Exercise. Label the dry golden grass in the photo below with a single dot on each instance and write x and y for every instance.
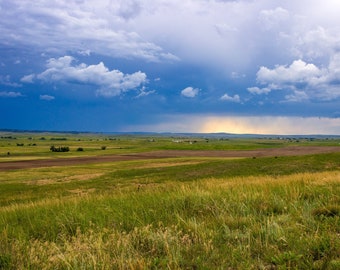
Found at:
(62, 180)
(242, 223)
(318, 178)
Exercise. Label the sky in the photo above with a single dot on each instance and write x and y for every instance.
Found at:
(235, 66)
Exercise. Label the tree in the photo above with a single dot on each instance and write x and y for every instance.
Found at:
(59, 149)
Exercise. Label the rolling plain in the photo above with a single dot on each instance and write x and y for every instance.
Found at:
(168, 202)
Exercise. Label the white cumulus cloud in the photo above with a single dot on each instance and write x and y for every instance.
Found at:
(297, 72)
(190, 92)
(305, 80)
(109, 82)
(235, 98)
(258, 91)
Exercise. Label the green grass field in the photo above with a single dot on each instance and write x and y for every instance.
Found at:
(172, 213)
(37, 145)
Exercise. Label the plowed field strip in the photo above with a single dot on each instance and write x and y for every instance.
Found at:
(286, 151)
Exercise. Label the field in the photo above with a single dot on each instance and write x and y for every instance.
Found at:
(175, 202)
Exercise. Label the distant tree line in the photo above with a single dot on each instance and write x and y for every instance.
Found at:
(53, 139)
(67, 149)
(8, 137)
(59, 149)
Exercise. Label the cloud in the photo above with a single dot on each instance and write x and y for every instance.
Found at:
(316, 43)
(229, 30)
(305, 80)
(190, 92)
(144, 93)
(258, 91)
(10, 94)
(297, 72)
(297, 96)
(235, 98)
(46, 97)
(129, 9)
(85, 52)
(28, 78)
(110, 82)
(64, 26)
(224, 29)
(272, 18)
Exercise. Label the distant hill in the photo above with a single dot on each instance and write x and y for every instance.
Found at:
(189, 134)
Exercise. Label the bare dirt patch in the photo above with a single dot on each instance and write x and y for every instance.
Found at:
(268, 152)
(166, 164)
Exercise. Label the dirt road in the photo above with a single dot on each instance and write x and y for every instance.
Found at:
(270, 152)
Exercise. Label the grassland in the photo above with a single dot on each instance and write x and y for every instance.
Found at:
(171, 213)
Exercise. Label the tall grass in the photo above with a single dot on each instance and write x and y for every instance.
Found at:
(35, 184)
(181, 213)
(245, 222)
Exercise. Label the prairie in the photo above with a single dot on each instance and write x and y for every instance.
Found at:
(277, 212)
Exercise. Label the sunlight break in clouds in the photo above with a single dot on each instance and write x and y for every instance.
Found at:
(245, 125)
(271, 125)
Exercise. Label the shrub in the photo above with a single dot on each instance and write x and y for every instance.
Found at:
(103, 147)
(80, 149)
